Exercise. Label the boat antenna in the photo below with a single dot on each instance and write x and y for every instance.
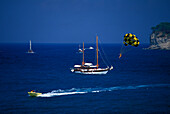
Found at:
(83, 54)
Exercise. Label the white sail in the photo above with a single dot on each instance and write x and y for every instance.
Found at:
(30, 45)
(30, 50)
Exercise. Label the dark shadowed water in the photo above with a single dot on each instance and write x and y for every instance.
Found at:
(139, 83)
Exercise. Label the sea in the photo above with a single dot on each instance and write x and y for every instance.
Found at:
(139, 82)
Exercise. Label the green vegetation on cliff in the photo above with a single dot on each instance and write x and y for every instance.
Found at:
(160, 37)
(162, 27)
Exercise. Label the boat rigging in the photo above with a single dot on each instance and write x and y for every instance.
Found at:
(89, 68)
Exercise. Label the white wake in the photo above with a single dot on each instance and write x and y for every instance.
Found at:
(94, 90)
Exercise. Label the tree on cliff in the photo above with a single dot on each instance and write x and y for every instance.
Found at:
(160, 37)
(162, 27)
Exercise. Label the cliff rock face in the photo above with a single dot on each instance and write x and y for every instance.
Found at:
(160, 37)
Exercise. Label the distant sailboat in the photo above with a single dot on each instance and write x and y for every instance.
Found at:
(80, 50)
(30, 50)
(91, 48)
(89, 68)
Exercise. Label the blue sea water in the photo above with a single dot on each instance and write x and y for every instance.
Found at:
(139, 82)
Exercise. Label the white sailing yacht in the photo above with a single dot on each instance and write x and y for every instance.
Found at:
(30, 50)
(89, 68)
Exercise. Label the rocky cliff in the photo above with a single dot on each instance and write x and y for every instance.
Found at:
(160, 37)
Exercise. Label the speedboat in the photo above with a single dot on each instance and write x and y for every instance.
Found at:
(34, 94)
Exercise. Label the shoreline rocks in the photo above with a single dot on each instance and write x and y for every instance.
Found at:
(160, 37)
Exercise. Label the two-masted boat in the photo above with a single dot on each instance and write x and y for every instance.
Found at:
(30, 50)
(89, 68)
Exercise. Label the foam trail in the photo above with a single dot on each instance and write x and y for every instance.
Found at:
(73, 91)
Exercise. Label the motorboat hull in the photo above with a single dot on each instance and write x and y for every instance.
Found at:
(34, 94)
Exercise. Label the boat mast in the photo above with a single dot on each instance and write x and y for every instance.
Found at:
(30, 44)
(83, 54)
(97, 50)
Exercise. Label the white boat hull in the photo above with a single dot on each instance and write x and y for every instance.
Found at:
(78, 72)
(102, 72)
(89, 72)
(30, 52)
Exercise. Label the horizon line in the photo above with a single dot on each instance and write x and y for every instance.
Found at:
(54, 43)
